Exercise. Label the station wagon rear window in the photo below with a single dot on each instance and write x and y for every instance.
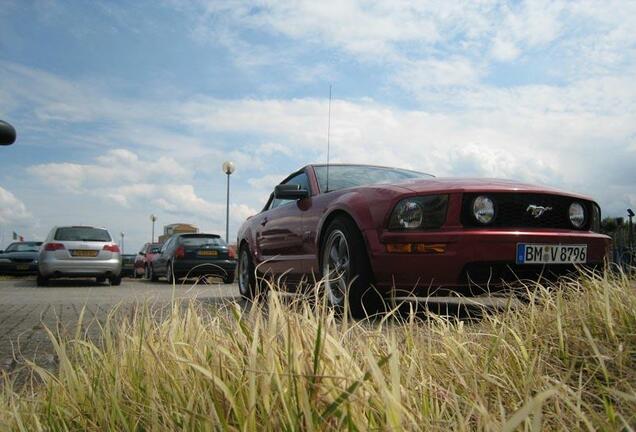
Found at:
(82, 234)
(202, 241)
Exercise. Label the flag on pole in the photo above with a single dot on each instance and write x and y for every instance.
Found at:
(15, 235)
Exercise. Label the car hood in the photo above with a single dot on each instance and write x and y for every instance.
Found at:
(19, 255)
(479, 185)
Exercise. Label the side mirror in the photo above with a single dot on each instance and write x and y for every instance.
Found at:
(7, 133)
(142, 253)
(290, 192)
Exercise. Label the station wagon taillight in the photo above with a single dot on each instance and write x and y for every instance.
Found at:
(53, 246)
(111, 248)
(179, 252)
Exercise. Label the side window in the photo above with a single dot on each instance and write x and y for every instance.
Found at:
(301, 180)
(166, 245)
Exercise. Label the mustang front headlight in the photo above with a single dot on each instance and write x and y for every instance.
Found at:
(424, 212)
(577, 215)
(484, 209)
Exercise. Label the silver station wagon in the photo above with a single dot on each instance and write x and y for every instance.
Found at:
(79, 251)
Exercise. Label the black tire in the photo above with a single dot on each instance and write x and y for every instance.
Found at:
(100, 279)
(249, 287)
(229, 278)
(42, 281)
(115, 280)
(146, 275)
(172, 279)
(354, 278)
(152, 275)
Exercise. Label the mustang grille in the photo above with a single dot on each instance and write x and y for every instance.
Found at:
(511, 211)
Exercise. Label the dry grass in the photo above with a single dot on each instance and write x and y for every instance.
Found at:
(566, 360)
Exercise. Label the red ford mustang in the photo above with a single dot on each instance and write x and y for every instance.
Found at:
(357, 226)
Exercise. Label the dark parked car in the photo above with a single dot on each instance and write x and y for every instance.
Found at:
(190, 255)
(144, 257)
(20, 258)
(128, 265)
(357, 225)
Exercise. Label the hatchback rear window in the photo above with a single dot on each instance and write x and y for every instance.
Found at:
(202, 241)
(82, 234)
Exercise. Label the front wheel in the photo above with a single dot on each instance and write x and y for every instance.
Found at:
(229, 278)
(152, 275)
(42, 280)
(172, 279)
(346, 271)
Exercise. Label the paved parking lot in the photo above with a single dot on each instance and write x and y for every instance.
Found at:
(26, 309)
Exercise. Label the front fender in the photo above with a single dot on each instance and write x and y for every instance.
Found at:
(355, 205)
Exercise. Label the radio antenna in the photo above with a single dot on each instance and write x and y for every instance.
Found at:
(328, 138)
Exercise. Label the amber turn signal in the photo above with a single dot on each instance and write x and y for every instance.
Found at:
(424, 248)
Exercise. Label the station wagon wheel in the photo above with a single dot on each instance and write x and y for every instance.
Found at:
(170, 274)
(346, 272)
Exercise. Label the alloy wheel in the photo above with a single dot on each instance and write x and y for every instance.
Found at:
(244, 273)
(336, 267)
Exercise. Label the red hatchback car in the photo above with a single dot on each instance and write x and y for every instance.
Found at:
(356, 226)
(144, 259)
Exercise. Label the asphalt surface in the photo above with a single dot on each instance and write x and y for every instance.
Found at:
(26, 310)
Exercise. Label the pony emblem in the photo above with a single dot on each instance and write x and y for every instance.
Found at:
(536, 211)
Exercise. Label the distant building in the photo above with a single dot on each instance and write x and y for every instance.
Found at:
(177, 228)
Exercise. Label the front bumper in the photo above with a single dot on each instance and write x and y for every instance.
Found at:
(18, 268)
(470, 256)
(193, 268)
(79, 268)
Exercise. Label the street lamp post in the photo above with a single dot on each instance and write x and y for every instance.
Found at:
(122, 234)
(153, 218)
(630, 235)
(228, 168)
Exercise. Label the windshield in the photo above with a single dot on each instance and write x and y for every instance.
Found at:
(346, 176)
(82, 234)
(24, 247)
(202, 241)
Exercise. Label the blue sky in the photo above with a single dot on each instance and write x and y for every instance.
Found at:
(124, 109)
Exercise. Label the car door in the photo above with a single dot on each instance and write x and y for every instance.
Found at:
(279, 233)
(160, 264)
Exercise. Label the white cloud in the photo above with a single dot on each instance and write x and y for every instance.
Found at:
(122, 178)
(12, 210)
(408, 37)
(265, 184)
(117, 166)
(422, 74)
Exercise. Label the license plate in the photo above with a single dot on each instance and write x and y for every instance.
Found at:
(551, 254)
(22, 267)
(208, 253)
(83, 253)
